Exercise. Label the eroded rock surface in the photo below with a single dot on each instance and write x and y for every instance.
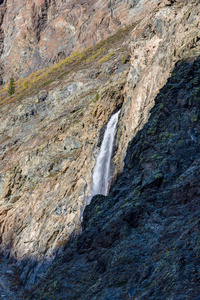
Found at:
(10, 287)
(142, 242)
(49, 139)
(48, 150)
(38, 33)
(166, 35)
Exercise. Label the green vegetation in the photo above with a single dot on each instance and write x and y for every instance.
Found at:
(11, 88)
(123, 59)
(90, 56)
(96, 98)
(105, 58)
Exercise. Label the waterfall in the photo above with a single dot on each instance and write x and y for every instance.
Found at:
(101, 173)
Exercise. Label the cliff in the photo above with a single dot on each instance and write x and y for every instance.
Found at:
(48, 149)
(142, 242)
(51, 130)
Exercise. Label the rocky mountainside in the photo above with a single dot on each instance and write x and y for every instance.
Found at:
(142, 242)
(38, 33)
(52, 127)
(48, 144)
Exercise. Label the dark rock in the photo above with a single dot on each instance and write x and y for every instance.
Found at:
(132, 216)
(94, 74)
(100, 266)
(42, 96)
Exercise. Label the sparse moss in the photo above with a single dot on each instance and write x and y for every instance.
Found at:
(194, 118)
(105, 58)
(123, 59)
(96, 98)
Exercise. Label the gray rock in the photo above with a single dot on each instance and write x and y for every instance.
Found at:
(41, 96)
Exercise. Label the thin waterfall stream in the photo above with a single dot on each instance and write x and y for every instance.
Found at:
(101, 173)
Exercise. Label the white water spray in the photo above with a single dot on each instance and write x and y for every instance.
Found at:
(101, 173)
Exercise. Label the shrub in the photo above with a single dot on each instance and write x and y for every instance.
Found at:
(25, 84)
(11, 88)
(105, 58)
(96, 98)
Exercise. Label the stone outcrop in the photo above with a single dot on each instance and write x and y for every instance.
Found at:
(166, 35)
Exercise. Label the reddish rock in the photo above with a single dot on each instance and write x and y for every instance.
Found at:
(35, 34)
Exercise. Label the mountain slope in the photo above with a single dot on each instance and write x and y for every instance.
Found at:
(142, 242)
(37, 34)
(49, 136)
(51, 127)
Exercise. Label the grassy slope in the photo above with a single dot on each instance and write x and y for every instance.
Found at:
(92, 57)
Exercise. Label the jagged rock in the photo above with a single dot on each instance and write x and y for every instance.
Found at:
(158, 42)
(41, 96)
(142, 241)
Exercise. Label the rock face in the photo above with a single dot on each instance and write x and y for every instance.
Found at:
(52, 127)
(35, 34)
(48, 150)
(142, 242)
(166, 35)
